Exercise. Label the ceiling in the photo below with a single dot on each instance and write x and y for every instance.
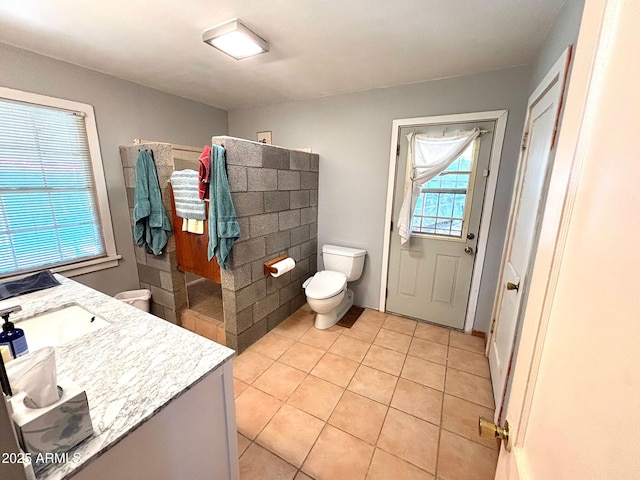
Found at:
(318, 48)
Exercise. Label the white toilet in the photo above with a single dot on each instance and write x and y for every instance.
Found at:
(326, 291)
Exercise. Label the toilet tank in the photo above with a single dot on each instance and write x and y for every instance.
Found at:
(349, 261)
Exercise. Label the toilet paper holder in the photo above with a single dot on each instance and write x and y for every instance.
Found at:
(268, 266)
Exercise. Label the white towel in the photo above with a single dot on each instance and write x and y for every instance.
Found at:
(193, 226)
(185, 195)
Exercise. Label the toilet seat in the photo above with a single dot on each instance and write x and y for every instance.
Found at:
(325, 284)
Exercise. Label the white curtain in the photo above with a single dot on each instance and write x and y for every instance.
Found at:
(428, 157)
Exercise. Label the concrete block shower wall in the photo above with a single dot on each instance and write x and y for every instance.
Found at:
(275, 194)
(159, 274)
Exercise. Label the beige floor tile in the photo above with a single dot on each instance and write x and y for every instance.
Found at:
(411, 439)
(385, 467)
(393, 340)
(462, 459)
(279, 380)
(257, 460)
(249, 366)
(362, 331)
(254, 409)
(302, 476)
(238, 387)
(427, 350)
(465, 341)
(206, 329)
(271, 345)
(372, 317)
(461, 417)
(418, 400)
(321, 339)
(432, 333)
(293, 327)
(221, 336)
(469, 387)
(359, 416)
(400, 324)
(316, 396)
(290, 434)
(469, 362)
(188, 319)
(302, 356)
(304, 314)
(424, 372)
(350, 348)
(335, 369)
(373, 384)
(328, 461)
(243, 444)
(339, 329)
(383, 359)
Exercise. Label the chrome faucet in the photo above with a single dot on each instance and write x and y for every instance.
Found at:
(5, 312)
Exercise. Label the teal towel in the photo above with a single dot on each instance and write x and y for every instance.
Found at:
(224, 229)
(151, 225)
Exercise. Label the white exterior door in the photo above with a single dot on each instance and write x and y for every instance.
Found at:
(573, 407)
(528, 200)
(430, 277)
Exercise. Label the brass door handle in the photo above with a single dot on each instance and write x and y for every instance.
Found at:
(513, 286)
(468, 250)
(488, 429)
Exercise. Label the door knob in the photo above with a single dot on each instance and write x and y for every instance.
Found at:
(513, 286)
(471, 236)
(488, 429)
(468, 250)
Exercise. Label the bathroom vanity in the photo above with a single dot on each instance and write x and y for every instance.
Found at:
(160, 397)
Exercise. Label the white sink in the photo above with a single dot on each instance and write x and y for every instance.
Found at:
(55, 328)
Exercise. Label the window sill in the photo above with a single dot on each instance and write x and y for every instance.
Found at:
(73, 269)
(88, 266)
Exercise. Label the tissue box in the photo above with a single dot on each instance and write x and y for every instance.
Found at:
(52, 429)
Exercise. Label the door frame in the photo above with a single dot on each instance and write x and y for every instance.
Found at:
(500, 117)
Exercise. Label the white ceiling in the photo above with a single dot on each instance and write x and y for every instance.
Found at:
(318, 47)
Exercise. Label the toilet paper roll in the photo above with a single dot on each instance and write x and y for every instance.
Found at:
(283, 266)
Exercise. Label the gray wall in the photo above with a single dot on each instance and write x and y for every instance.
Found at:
(564, 32)
(124, 111)
(352, 134)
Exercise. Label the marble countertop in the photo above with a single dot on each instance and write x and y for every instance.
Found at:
(130, 369)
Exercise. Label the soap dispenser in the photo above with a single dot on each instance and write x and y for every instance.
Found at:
(11, 336)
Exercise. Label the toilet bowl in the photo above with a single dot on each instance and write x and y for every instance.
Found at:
(326, 291)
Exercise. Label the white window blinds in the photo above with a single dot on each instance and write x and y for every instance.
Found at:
(48, 209)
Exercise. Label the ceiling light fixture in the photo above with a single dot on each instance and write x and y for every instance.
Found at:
(235, 39)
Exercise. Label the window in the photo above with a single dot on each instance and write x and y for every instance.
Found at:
(442, 203)
(53, 201)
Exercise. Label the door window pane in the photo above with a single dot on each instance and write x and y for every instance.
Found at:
(440, 208)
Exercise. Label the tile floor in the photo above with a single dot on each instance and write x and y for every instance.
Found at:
(205, 297)
(205, 315)
(390, 398)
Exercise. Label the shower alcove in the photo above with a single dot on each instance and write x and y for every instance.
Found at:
(275, 194)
